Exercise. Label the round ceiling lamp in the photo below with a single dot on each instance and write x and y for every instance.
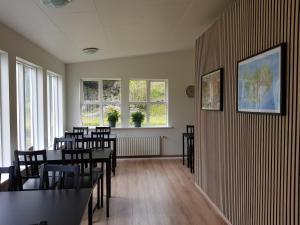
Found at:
(90, 51)
(55, 3)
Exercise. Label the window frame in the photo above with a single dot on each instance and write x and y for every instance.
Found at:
(100, 100)
(58, 114)
(1, 128)
(36, 134)
(148, 101)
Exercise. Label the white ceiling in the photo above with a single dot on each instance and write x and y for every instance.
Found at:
(118, 28)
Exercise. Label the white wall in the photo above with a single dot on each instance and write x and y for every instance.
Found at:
(177, 67)
(17, 46)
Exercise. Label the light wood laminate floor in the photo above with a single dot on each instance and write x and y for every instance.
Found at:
(155, 192)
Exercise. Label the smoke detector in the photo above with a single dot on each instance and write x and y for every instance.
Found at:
(56, 3)
(90, 51)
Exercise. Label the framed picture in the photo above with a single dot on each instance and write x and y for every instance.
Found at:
(260, 82)
(212, 91)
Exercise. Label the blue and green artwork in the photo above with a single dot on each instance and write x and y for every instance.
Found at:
(259, 83)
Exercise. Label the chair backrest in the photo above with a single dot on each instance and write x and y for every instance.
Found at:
(31, 160)
(64, 143)
(61, 177)
(78, 136)
(81, 157)
(103, 129)
(84, 130)
(190, 129)
(11, 178)
(105, 138)
(93, 143)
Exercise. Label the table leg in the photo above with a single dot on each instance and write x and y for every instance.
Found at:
(90, 210)
(108, 184)
(183, 149)
(114, 158)
(108, 177)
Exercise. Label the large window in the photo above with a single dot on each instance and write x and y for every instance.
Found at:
(5, 148)
(55, 121)
(97, 98)
(151, 98)
(27, 89)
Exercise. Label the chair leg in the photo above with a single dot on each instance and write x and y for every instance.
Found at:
(102, 191)
(90, 210)
(98, 193)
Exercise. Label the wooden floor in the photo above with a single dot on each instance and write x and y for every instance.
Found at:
(155, 192)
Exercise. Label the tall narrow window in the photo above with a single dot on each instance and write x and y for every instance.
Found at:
(5, 147)
(28, 134)
(97, 98)
(149, 97)
(1, 146)
(55, 121)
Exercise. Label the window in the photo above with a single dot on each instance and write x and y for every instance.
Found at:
(5, 145)
(27, 99)
(151, 98)
(97, 98)
(55, 121)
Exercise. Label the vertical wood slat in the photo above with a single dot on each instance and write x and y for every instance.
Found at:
(248, 164)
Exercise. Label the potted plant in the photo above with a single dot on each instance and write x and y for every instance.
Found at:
(137, 118)
(113, 116)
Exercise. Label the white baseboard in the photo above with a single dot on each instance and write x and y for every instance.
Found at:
(214, 207)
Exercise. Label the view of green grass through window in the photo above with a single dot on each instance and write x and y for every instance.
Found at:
(149, 97)
(98, 98)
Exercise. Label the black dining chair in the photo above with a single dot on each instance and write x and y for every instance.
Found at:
(29, 178)
(84, 130)
(190, 129)
(64, 143)
(79, 138)
(104, 136)
(103, 129)
(191, 153)
(11, 177)
(59, 177)
(89, 176)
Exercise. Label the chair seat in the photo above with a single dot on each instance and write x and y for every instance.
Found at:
(31, 184)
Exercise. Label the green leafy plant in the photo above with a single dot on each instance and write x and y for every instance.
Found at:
(113, 116)
(137, 117)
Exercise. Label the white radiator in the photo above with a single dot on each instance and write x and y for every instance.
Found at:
(138, 146)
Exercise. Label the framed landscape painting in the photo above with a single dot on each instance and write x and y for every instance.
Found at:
(212, 91)
(260, 82)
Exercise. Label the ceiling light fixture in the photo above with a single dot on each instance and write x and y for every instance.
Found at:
(55, 3)
(90, 51)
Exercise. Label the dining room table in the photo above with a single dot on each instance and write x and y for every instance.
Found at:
(113, 139)
(98, 156)
(51, 207)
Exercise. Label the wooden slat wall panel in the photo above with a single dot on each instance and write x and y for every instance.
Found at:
(248, 164)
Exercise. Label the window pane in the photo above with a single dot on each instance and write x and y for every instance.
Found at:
(111, 90)
(28, 108)
(137, 91)
(158, 114)
(90, 115)
(142, 107)
(106, 108)
(157, 91)
(53, 107)
(90, 90)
